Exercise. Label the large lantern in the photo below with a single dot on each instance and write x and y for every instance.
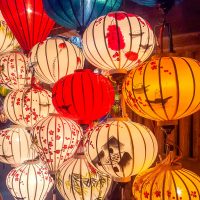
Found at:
(118, 41)
(29, 181)
(27, 106)
(56, 139)
(27, 20)
(16, 146)
(163, 89)
(121, 148)
(14, 72)
(77, 180)
(83, 96)
(77, 14)
(55, 58)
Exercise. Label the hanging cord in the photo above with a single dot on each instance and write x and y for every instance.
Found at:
(54, 186)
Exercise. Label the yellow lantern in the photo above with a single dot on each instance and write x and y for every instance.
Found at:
(164, 89)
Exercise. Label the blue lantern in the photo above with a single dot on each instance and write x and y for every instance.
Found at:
(77, 14)
(152, 3)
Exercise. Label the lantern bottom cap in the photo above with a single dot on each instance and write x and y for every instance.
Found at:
(166, 123)
(122, 179)
(118, 71)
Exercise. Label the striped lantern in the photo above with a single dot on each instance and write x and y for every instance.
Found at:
(27, 106)
(29, 181)
(14, 73)
(55, 58)
(56, 139)
(118, 41)
(121, 148)
(83, 96)
(78, 180)
(163, 89)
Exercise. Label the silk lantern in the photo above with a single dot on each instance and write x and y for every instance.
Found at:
(27, 106)
(77, 14)
(56, 139)
(77, 180)
(164, 89)
(29, 181)
(121, 148)
(16, 146)
(14, 72)
(83, 96)
(118, 41)
(27, 20)
(55, 58)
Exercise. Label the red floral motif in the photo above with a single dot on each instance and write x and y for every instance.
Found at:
(78, 60)
(51, 132)
(62, 45)
(58, 137)
(146, 195)
(158, 193)
(57, 151)
(121, 15)
(130, 55)
(193, 194)
(169, 193)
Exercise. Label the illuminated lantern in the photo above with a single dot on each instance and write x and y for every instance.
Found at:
(27, 20)
(78, 14)
(167, 181)
(55, 58)
(164, 89)
(83, 96)
(27, 106)
(14, 72)
(15, 143)
(121, 148)
(29, 181)
(118, 41)
(56, 139)
(4, 91)
(77, 180)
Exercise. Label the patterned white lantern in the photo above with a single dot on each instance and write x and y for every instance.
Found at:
(121, 148)
(29, 181)
(27, 106)
(55, 58)
(118, 41)
(77, 180)
(56, 139)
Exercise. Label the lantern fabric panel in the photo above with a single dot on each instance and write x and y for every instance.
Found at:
(163, 89)
(55, 58)
(29, 181)
(118, 40)
(77, 180)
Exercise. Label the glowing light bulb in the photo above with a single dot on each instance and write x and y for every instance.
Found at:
(29, 10)
(179, 192)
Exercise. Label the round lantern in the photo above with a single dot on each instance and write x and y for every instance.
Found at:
(15, 146)
(77, 180)
(121, 148)
(14, 73)
(27, 20)
(29, 181)
(118, 41)
(55, 58)
(77, 14)
(56, 139)
(163, 89)
(83, 96)
(4, 91)
(27, 106)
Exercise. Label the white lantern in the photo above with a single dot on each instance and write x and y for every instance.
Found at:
(121, 148)
(56, 139)
(29, 181)
(118, 41)
(15, 146)
(27, 106)
(77, 180)
(55, 58)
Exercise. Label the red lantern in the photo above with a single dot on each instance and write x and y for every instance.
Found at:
(83, 96)
(27, 20)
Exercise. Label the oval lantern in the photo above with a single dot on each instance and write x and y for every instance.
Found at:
(27, 20)
(78, 14)
(56, 139)
(29, 181)
(164, 89)
(118, 41)
(27, 106)
(16, 146)
(14, 72)
(83, 96)
(55, 58)
(77, 180)
(121, 148)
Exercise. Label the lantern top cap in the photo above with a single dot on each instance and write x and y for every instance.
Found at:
(82, 70)
(17, 126)
(119, 119)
